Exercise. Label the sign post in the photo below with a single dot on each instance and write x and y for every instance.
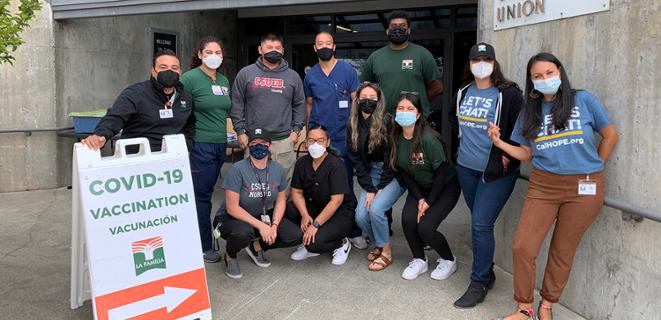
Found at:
(137, 214)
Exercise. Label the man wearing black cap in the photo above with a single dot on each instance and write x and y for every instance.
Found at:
(252, 215)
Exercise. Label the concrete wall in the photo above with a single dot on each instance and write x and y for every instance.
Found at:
(77, 65)
(28, 101)
(614, 54)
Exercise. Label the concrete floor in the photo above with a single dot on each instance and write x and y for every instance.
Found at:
(35, 265)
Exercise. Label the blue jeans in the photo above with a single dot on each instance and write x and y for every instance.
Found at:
(374, 221)
(485, 200)
(206, 159)
(341, 146)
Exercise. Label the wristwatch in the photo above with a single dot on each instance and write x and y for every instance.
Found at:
(316, 224)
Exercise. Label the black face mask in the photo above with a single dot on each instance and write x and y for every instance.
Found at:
(273, 56)
(167, 78)
(397, 35)
(325, 54)
(367, 105)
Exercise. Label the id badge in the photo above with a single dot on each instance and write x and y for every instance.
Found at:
(587, 187)
(266, 219)
(217, 90)
(344, 104)
(165, 113)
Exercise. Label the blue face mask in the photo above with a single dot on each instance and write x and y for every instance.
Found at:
(547, 86)
(405, 119)
(259, 151)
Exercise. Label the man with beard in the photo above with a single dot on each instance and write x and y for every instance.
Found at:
(402, 66)
(150, 109)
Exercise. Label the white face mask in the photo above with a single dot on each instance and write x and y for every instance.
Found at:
(482, 69)
(316, 150)
(213, 61)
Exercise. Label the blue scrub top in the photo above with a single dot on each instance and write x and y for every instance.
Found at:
(327, 92)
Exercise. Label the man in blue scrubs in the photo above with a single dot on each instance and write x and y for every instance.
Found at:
(330, 87)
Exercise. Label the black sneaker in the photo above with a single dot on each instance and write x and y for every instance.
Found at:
(475, 294)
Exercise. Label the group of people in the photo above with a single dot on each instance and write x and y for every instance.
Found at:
(376, 131)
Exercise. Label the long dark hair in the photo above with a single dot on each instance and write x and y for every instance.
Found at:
(330, 148)
(378, 132)
(497, 77)
(421, 127)
(532, 108)
(195, 61)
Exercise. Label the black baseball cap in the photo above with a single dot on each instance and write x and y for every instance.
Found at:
(259, 134)
(482, 49)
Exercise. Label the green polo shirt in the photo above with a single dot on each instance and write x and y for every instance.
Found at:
(410, 69)
(211, 109)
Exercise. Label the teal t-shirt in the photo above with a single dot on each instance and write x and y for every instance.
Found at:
(212, 105)
(571, 150)
(410, 69)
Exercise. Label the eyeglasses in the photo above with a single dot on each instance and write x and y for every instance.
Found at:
(312, 141)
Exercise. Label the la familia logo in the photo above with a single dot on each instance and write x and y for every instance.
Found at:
(148, 254)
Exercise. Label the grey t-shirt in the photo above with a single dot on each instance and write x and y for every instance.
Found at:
(250, 182)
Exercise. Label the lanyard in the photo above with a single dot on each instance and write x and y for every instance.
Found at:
(261, 186)
(170, 102)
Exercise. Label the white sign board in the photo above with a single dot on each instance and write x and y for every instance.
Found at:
(141, 232)
(514, 13)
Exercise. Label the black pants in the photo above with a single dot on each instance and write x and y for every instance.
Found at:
(330, 235)
(238, 234)
(419, 234)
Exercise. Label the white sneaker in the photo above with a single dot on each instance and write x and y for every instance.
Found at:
(359, 242)
(416, 267)
(444, 269)
(301, 253)
(341, 254)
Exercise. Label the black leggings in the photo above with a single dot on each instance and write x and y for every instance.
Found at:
(330, 235)
(419, 234)
(238, 234)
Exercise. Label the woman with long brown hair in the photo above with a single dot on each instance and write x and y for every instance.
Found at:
(556, 132)
(419, 157)
(369, 150)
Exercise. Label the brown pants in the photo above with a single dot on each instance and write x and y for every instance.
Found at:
(552, 199)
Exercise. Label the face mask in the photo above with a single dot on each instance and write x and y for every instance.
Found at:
(273, 56)
(167, 78)
(316, 150)
(367, 105)
(405, 119)
(259, 151)
(212, 61)
(397, 35)
(547, 86)
(482, 69)
(325, 54)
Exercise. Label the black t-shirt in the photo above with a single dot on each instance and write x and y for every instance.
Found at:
(318, 186)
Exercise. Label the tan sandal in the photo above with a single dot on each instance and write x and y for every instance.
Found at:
(384, 263)
(374, 254)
